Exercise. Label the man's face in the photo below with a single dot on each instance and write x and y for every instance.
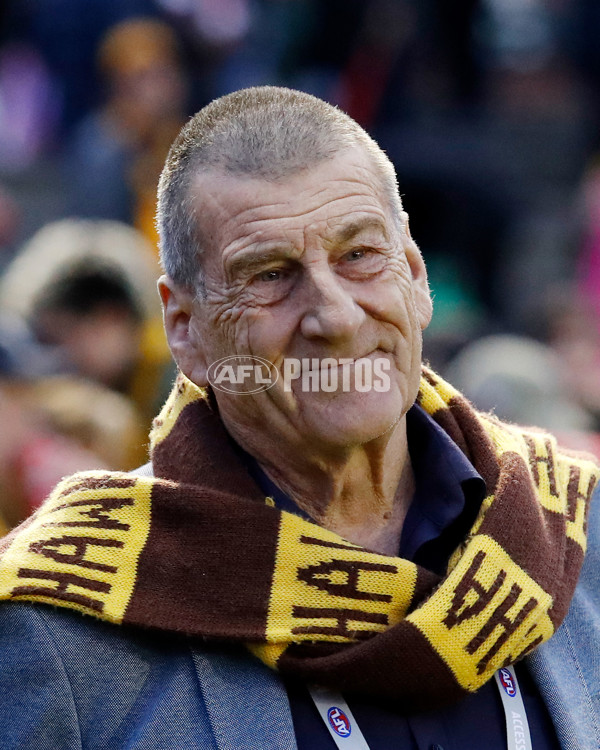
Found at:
(305, 269)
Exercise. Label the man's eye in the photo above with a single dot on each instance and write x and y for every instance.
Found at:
(362, 262)
(358, 254)
(273, 274)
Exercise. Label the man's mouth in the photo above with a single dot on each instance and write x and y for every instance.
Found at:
(326, 364)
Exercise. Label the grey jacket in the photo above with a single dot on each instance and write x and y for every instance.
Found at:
(69, 682)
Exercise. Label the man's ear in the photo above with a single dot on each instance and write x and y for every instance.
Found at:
(181, 328)
(418, 270)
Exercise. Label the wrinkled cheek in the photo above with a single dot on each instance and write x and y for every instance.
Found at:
(403, 315)
(414, 332)
(411, 345)
(227, 327)
(234, 339)
(417, 359)
(265, 334)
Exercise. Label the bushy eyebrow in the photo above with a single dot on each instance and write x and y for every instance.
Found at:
(351, 229)
(248, 262)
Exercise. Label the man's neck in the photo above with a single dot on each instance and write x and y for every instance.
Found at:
(362, 493)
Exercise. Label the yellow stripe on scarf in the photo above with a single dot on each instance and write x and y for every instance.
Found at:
(82, 551)
(183, 393)
(329, 590)
(488, 613)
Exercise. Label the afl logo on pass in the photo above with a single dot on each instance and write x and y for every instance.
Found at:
(339, 721)
(507, 682)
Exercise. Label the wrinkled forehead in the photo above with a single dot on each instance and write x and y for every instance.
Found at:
(329, 190)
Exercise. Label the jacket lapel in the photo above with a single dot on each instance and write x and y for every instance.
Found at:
(246, 702)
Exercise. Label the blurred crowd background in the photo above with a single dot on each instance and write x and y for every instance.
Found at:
(489, 109)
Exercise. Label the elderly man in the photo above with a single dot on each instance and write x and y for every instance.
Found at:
(330, 546)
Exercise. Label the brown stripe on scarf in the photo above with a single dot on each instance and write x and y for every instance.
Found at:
(198, 575)
(538, 545)
(412, 672)
(201, 452)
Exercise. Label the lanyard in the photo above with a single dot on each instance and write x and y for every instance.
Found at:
(346, 733)
(338, 719)
(517, 727)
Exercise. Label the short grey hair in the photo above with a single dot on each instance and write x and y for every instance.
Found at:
(266, 132)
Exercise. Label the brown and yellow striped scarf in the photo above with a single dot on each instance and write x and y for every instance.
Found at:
(197, 551)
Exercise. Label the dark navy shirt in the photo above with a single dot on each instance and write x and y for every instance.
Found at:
(447, 498)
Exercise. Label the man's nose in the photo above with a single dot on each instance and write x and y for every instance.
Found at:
(331, 310)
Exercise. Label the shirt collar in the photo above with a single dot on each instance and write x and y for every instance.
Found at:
(448, 490)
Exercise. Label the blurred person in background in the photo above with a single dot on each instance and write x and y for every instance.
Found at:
(114, 157)
(88, 288)
(573, 333)
(64, 35)
(524, 381)
(52, 424)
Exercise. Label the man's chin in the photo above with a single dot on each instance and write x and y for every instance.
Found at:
(355, 422)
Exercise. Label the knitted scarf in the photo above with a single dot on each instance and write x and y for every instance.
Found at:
(196, 550)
